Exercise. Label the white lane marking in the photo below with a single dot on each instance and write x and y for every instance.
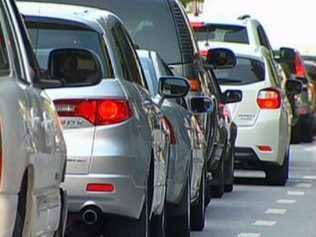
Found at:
(309, 177)
(273, 211)
(249, 173)
(264, 223)
(286, 201)
(249, 235)
(295, 193)
(304, 185)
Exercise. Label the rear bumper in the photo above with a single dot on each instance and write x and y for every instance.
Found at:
(126, 200)
(8, 207)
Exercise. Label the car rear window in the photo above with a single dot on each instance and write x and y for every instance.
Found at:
(246, 71)
(150, 25)
(222, 33)
(46, 37)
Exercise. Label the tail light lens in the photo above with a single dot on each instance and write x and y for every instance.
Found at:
(300, 69)
(195, 85)
(100, 188)
(204, 53)
(173, 138)
(1, 158)
(96, 111)
(269, 99)
(198, 26)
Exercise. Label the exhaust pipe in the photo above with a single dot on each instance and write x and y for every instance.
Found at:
(91, 215)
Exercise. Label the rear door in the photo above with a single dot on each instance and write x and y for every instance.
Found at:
(249, 77)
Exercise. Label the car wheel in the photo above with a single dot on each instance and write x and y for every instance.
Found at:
(278, 175)
(208, 193)
(63, 215)
(198, 210)
(158, 224)
(179, 226)
(296, 133)
(229, 171)
(307, 127)
(218, 189)
(19, 227)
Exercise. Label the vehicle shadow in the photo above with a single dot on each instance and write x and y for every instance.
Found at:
(250, 181)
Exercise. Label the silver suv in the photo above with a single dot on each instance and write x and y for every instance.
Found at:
(32, 148)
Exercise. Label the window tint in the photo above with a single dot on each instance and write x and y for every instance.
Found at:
(46, 37)
(222, 33)
(246, 71)
(264, 41)
(4, 60)
(150, 25)
(129, 62)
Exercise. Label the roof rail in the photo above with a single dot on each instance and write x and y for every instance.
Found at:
(244, 17)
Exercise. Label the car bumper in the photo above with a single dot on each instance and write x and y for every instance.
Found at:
(126, 200)
(8, 209)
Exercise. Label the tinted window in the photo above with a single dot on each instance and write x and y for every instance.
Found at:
(222, 33)
(46, 37)
(245, 72)
(128, 58)
(150, 25)
(264, 41)
(4, 60)
(150, 74)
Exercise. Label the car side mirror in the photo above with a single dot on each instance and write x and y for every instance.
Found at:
(74, 67)
(201, 104)
(220, 58)
(232, 96)
(293, 87)
(287, 56)
(173, 87)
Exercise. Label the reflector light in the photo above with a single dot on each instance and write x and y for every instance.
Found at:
(195, 85)
(269, 99)
(96, 111)
(198, 25)
(102, 188)
(265, 148)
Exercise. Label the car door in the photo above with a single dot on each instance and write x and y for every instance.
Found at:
(42, 127)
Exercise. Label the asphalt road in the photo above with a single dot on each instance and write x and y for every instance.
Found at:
(254, 209)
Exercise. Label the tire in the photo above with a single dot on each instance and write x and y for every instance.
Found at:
(198, 210)
(229, 172)
(179, 226)
(158, 224)
(19, 226)
(63, 216)
(278, 175)
(296, 135)
(307, 128)
(218, 189)
(208, 194)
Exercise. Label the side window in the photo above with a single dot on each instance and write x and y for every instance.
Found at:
(264, 41)
(129, 63)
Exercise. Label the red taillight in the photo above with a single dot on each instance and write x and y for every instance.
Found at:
(197, 26)
(173, 137)
(204, 53)
(96, 111)
(269, 99)
(300, 70)
(265, 148)
(1, 158)
(100, 188)
(195, 85)
(225, 111)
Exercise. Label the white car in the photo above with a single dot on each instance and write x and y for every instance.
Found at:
(32, 148)
(263, 116)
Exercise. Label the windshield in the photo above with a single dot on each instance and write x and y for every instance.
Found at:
(222, 33)
(153, 28)
(45, 37)
(246, 71)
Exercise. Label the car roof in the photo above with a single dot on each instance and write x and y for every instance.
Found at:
(91, 17)
(219, 20)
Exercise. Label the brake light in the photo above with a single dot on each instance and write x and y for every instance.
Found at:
(204, 53)
(269, 99)
(195, 85)
(100, 188)
(264, 148)
(198, 26)
(96, 111)
(173, 137)
(300, 70)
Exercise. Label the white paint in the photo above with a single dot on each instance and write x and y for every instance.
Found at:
(249, 174)
(286, 201)
(264, 223)
(295, 193)
(273, 211)
(304, 185)
(309, 177)
(249, 235)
